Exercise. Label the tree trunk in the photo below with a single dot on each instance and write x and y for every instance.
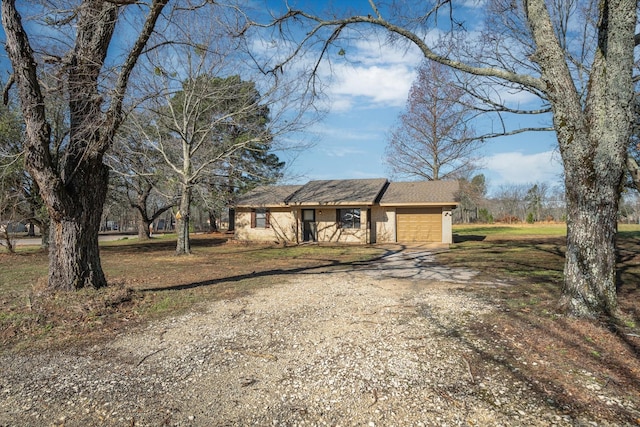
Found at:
(183, 246)
(634, 171)
(213, 222)
(143, 221)
(144, 230)
(45, 227)
(593, 135)
(590, 261)
(74, 254)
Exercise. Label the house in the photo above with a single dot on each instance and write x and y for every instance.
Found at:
(348, 211)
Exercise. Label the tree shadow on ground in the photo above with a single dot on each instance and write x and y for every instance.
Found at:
(576, 367)
(468, 238)
(327, 266)
(159, 245)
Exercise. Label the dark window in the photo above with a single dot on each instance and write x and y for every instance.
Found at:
(260, 218)
(349, 218)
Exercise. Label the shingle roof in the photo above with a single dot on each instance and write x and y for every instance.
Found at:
(275, 195)
(354, 192)
(421, 193)
(339, 192)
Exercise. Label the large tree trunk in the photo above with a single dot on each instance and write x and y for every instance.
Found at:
(590, 262)
(74, 255)
(74, 187)
(144, 230)
(593, 136)
(183, 246)
(143, 220)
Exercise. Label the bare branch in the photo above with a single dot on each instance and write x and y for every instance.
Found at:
(115, 109)
(321, 23)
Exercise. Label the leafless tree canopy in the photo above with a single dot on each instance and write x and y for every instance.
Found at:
(575, 57)
(434, 138)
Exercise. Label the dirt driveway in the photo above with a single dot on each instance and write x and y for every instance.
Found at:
(385, 345)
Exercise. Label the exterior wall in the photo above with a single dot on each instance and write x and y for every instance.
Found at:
(286, 226)
(447, 227)
(328, 230)
(282, 226)
(385, 223)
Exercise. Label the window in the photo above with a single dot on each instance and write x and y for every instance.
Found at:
(259, 218)
(349, 218)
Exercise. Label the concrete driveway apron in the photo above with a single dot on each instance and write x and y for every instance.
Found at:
(417, 264)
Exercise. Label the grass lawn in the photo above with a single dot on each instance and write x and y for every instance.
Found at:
(147, 281)
(520, 273)
(558, 354)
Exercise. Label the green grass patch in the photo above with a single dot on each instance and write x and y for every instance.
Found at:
(504, 230)
(21, 269)
(532, 259)
(546, 230)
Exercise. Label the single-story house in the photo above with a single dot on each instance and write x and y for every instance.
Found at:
(348, 211)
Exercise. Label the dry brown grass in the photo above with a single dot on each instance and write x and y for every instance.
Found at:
(570, 361)
(147, 281)
(567, 360)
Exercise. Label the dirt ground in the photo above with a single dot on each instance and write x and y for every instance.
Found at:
(399, 342)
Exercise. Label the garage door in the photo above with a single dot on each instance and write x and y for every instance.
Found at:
(419, 225)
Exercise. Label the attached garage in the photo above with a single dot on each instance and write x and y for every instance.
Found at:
(421, 210)
(419, 224)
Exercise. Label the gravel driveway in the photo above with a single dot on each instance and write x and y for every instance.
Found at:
(383, 346)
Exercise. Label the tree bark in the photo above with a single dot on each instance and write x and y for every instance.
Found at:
(590, 264)
(140, 205)
(213, 222)
(634, 170)
(74, 187)
(74, 254)
(593, 140)
(144, 232)
(183, 246)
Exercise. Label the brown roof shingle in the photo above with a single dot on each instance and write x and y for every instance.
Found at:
(354, 192)
(421, 193)
(274, 195)
(339, 192)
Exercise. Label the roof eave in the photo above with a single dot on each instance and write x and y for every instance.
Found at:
(420, 204)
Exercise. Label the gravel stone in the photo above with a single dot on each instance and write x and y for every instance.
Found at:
(383, 346)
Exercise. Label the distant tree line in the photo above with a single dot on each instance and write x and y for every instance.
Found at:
(525, 203)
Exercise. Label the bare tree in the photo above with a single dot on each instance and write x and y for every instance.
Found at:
(577, 58)
(74, 189)
(208, 108)
(511, 204)
(536, 200)
(472, 196)
(140, 178)
(433, 139)
(203, 123)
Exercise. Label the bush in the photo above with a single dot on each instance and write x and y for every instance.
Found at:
(530, 219)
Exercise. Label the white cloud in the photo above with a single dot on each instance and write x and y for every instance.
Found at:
(382, 85)
(371, 51)
(341, 151)
(372, 72)
(518, 168)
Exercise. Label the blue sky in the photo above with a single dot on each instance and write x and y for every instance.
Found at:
(367, 90)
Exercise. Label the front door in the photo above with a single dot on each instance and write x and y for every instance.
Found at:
(309, 228)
